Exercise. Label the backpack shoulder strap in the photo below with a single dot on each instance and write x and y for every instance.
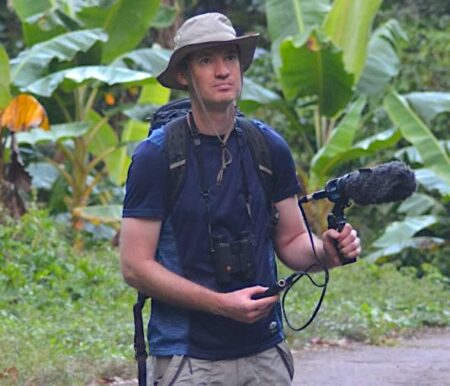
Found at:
(140, 350)
(177, 132)
(260, 152)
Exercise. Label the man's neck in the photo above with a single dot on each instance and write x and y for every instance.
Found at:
(214, 121)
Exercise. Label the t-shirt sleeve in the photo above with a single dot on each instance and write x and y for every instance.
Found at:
(286, 183)
(146, 186)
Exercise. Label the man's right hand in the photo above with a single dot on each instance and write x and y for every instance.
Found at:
(240, 306)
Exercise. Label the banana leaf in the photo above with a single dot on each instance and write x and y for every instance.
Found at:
(339, 142)
(288, 18)
(57, 133)
(43, 175)
(315, 68)
(31, 64)
(254, 95)
(165, 16)
(429, 104)
(71, 78)
(291, 17)
(432, 182)
(26, 8)
(419, 204)
(152, 60)
(403, 230)
(348, 25)
(104, 140)
(5, 94)
(383, 140)
(43, 19)
(418, 243)
(120, 160)
(382, 62)
(433, 154)
(154, 93)
(400, 235)
(412, 155)
(365, 148)
(125, 23)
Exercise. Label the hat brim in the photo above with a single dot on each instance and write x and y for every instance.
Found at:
(247, 46)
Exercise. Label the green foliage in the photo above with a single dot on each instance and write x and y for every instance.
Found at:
(348, 24)
(69, 66)
(433, 155)
(369, 303)
(315, 67)
(10, 32)
(32, 63)
(289, 18)
(383, 62)
(5, 94)
(69, 315)
(337, 82)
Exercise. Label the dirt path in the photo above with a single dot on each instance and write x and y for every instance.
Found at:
(423, 360)
(420, 361)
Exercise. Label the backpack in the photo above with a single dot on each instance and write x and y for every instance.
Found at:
(171, 119)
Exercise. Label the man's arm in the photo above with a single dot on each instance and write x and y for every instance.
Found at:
(293, 244)
(138, 243)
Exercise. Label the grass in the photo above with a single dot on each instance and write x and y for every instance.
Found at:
(371, 303)
(66, 318)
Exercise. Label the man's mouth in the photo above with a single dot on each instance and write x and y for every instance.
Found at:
(223, 85)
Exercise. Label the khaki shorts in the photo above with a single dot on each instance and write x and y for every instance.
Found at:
(274, 367)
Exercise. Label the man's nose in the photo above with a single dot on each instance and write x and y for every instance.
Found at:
(222, 69)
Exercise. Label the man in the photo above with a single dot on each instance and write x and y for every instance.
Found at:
(206, 327)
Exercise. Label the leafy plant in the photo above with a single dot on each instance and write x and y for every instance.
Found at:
(336, 80)
(71, 47)
(70, 313)
(17, 114)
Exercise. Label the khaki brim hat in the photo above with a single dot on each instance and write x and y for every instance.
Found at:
(205, 31)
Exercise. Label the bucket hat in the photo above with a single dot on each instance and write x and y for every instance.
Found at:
(203, 31)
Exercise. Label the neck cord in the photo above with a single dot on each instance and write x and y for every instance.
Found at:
(204, 190)
(226, 156)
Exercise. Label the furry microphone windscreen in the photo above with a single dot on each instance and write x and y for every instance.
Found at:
(393, 181)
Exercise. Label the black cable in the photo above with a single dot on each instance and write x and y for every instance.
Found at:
(295, 277)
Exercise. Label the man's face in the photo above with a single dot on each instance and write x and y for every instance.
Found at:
(216, 74)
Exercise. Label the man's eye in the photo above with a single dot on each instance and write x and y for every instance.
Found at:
(232, 57)
(205, 60)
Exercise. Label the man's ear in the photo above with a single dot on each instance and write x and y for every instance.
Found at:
(182, 78)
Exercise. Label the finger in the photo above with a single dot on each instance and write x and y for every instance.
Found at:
(345, 232)
(265, 301)
(351, 237)
(332, 234)
(351, 250)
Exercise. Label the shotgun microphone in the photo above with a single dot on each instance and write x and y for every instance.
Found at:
(389, 182)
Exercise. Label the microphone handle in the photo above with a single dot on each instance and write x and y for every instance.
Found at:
(339, 225)
(275, 289)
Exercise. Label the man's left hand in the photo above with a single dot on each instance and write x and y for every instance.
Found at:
(346, 242)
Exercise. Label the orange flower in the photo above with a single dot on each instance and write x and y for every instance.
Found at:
(110, 99)
(23, 113)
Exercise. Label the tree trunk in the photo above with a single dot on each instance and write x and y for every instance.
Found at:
(11, 200)
(164, 36)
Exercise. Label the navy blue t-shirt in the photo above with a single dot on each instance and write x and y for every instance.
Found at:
(184, 243)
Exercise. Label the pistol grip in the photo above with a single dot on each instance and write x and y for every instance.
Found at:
(334, 224)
